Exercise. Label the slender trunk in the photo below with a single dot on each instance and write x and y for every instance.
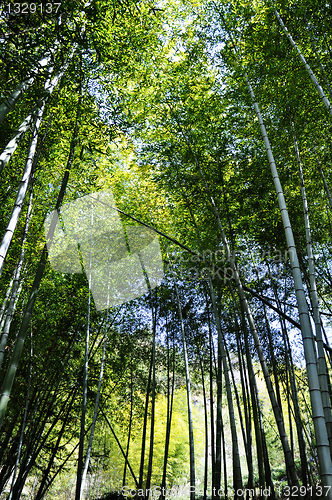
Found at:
(289, 412)
(224, 455)
(169, 413)
(238, 408)
(307, 67)
(235, 275)
(11, 372)
(254, 395)
(319, 60)
(3, 311)
(153, 399)
(247, 412)
(23, 424)
(326, 188)
(18, 205)
(211, 350)
(273, 359)
(237, 475)
(322, 368)
(130, 425)
(307, 335)
(25, 125)
(190, 418)
(120, 447)
(10, 101)
(16, 286)
(215, 492)
(217, 472)
(141, 470)
(206, 429)
(79, 480)
(30, 165)
(255, 407)
(268, 475)
(290, 370)
(95, 413)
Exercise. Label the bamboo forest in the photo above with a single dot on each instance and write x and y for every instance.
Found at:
(166, 249)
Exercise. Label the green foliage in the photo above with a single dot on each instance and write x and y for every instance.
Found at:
(167, 123)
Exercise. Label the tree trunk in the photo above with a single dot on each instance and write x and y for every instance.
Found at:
(16, 286)
(141, 470)
(246, 406)
(129, 427)
(25, 125)
(23, 424)
(322, 368)
(306, 65)
(313, 45)
(235, 275)
(190, 418)
(120, 447)
(211, 350)
(297, 413)
(95, 413)
(206, 429)
(11, 372)
(4, 302)
(10, 101)
(169, 412)
(79, 480)
(309, 350)
(326, 188)
(237, 475)
(153, 399)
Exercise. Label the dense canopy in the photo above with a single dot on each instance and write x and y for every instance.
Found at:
(165, 254)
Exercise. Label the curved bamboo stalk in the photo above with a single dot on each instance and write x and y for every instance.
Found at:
(49, 86)
(306, 65)
(9, 102)
(307, 335)
(326, 188)
(12, 368)
(20, 197)
(16, 287)
(322, 368)
(328, 86)
(23, 424)
(5, 300)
